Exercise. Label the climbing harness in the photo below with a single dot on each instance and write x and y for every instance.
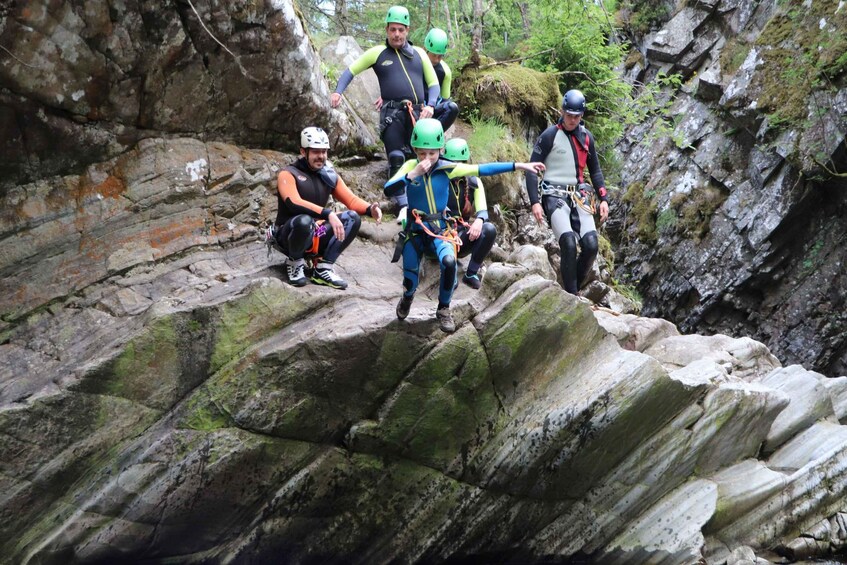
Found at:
(579, 194)
(450, 234)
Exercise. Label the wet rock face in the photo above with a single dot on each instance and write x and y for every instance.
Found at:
(165, 392)
(84, 81)
(738, 223)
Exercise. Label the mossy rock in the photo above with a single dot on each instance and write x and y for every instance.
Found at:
(523, 99)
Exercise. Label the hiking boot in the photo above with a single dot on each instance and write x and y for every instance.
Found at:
(328, 277)
(472, 281)
(296, 274)
(404, 306)
(445, 320)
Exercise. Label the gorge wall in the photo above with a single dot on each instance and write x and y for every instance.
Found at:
(733, 214)
(166, 396)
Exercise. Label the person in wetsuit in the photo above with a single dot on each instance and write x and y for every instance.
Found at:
(446, 110)
(304, 226)
(426, 181)
(563, 196)
(408, 86)
(467, 201)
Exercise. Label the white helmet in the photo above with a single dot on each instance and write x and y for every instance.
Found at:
(314, 138)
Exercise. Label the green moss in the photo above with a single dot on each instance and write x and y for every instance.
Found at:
(439, 409)
(694, 210)
(606, 252)
(799, 55)
(491, 141)
(733, 55)
(202, 413)
(641, 219)
(512, 95)
(666, 221)
(262, 311)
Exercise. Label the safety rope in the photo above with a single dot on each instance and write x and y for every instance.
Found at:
(411, 110)
(450, 233)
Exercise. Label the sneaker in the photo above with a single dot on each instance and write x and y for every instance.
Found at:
(445, 320)
(404, 306)
(329, 278)
(296, 274)
(472, 281)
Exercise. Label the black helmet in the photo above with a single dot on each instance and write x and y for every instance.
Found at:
(573, 102)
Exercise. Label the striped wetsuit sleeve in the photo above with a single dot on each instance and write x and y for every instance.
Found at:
(365, 61)
(343, 193)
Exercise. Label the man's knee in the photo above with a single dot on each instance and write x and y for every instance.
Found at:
(352, 218)
(448, 262)
(451, 108)
(301, 223)
(489, 231)
(567, 243)
(396, 158)
(590, 244)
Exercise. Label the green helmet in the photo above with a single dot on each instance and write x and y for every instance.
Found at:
(436, 41)
(457, 150)
(428, 134)
(397, 15)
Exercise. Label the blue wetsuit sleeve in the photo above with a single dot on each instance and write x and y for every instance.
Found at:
(488, 169)
(344, 81)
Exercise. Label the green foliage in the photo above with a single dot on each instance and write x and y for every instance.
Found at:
(802, 49)
(811, 261)
(641, 16)
(491, 141)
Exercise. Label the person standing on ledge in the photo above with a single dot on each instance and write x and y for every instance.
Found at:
(563, 196)
(408, 89)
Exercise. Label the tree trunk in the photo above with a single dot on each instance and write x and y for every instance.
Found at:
(523, 8)
(342, 18)
(476, 32)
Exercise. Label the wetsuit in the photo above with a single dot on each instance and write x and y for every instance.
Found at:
(429, 195)
(467, 197)
(302, 215)
(445, 111)
(566, 154)
(403, 74)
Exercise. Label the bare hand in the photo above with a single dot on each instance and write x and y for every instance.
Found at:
(604, 211)
(376, 212)
(337, 226)
(378, 103)
(475, 230)
(420, 169)
(530, 167)
(538, 212)
(334, 99)
(427, 111)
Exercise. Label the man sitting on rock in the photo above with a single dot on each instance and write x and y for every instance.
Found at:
(304, 226)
